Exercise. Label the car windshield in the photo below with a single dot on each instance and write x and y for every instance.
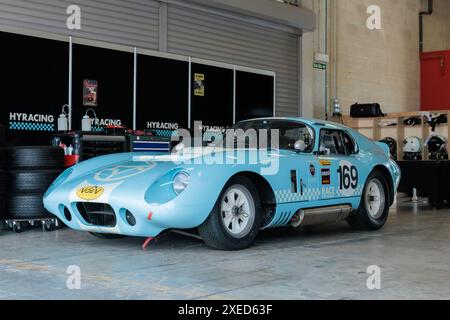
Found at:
(276, 134)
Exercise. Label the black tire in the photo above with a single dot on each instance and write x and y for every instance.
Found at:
(107, 236)
(2, 207)
(2, 158)
(32, 181)
(26, 206)
(361, 219)
(213, 230)
(42, 157)
(2, 182)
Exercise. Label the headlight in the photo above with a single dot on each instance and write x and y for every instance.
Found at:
(180, 182)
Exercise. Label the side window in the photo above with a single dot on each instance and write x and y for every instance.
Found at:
(291, 133)
(331, 143)
(349, 143)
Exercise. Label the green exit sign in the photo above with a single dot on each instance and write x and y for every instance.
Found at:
(321, 66)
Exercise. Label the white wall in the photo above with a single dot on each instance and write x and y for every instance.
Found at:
(372, 66)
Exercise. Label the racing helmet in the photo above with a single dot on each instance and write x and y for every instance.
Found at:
(392, 144)
(436, 143)
(437, 146)
(412, 145)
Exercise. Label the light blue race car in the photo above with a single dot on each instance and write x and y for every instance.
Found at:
(310, 173)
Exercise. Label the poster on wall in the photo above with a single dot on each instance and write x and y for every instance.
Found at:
(199, 85)
(90, 88)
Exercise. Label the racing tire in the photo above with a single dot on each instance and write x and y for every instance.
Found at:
(2, 158)
(107, 236)
(26, 207)
(2, 182)
(233, 224)
(2, 207)
(43, 157)
(373, 211)
(32, 181)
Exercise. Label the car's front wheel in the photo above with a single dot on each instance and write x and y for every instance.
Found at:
(375, 202)
(235, 220)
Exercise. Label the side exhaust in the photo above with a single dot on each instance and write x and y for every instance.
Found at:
(317, 216)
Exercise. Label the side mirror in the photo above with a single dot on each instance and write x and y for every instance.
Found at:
(300, 146)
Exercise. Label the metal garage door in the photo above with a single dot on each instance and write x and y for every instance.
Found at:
(224, 39)
(128, 22)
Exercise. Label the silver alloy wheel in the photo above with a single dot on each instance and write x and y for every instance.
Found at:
(375, 198)
(237, 211)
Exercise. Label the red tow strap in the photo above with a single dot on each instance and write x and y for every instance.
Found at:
(146, 243)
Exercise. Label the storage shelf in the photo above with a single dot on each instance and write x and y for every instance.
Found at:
(372, 129)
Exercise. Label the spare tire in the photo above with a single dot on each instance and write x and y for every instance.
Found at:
(45, 157)
(26, 206)
(2, 182)
(32, 181)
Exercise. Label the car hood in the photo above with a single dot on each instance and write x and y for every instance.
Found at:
(139, 170)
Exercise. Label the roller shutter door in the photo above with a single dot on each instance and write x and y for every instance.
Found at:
(209, 36)
(127, 22)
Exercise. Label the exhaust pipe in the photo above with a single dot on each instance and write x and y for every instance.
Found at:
(317, 216)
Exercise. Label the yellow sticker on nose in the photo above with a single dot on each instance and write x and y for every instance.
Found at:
(90, 193)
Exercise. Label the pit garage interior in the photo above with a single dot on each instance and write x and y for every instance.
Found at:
(89, 77)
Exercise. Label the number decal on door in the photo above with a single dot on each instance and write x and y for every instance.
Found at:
(348, 177)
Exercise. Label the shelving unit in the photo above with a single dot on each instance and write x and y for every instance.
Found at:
(370, 127)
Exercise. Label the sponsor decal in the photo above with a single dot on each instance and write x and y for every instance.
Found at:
(325, 163)
(328, 192)
(90, 193)
(162, 125)
(312, 170)
(326, 176)
(120, 173)
(28, 117)
(31, 122)
(106, 122)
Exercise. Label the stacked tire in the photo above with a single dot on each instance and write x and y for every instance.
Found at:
(2, 186)
(30, 172)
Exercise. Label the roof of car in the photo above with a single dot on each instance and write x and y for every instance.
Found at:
(311, 122)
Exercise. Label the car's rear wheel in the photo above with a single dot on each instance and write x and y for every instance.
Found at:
(373, 211)
(235, 220)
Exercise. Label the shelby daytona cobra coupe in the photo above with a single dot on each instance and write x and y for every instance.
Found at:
(318, 173)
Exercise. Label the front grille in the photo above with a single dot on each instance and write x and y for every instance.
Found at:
(97, 214)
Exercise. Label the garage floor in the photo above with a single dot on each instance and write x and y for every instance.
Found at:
(327, 263)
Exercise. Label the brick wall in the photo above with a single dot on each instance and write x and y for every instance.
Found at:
(380, 65)
(372, 66)
(437, 27)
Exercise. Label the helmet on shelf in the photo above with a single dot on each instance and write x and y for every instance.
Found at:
(437, 146)
(412, 148)
(392, 144)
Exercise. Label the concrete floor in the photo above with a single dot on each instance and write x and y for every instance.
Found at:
(413, 252)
